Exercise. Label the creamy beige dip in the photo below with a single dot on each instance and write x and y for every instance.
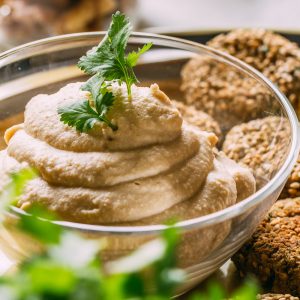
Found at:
(153, 168)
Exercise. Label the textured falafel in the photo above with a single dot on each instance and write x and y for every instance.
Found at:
(198, 118)
(273, 252)
(260, 144)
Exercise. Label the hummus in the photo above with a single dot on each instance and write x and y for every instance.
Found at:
(154, 168)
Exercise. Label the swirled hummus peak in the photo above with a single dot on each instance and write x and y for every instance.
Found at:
(153, 168)
(147, 117)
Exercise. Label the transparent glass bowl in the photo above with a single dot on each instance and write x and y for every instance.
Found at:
(207, 241)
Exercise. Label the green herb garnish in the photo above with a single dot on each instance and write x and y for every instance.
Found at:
(83, 115)
(107, 62)
(14, 189)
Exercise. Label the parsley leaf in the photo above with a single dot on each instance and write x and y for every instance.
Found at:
(79, 115)
(108, 58)
(106, 62)
(133, 56)
(83, 116)
(14, 189)
(36, 223)
(93, 85)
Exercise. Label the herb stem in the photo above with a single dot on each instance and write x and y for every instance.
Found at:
(109, 123)
(126, 76)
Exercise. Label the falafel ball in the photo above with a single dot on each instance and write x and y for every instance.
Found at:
(292, 186)
(198, 118)
(259, 144)
(273, 252)
(276, 297)
(231, 97)
(223, 92)
(270, 53)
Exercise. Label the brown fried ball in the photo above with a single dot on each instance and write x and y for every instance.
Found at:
(276, 297)
(198, 118)
(259, 144)
(26, 20)
(292, 186)
(270, 53)
(273, 252)
(223, 92)
(84, 15)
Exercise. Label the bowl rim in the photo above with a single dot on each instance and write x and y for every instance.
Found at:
(218, 216)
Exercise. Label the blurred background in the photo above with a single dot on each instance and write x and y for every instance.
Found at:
(25, 20)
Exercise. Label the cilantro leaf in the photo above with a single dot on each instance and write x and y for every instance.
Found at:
(83, 116)
(37, 224)
(133, 56)
(79, 115)
(50, 278)
(93, 85)
(108, 58)
(103, 58)
(103, 104)
(14, 189)
(106, 62)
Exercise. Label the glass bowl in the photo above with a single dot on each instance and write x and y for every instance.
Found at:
(208, 241)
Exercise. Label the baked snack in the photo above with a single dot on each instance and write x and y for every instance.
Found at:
(26, 20)
(270, 53)
(198, 118)
(292, 186)
(276, 297)
(273, 252)
(226, 94)
(259, 144)
(223, 92)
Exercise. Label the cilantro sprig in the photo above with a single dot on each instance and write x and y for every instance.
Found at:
(107, 62)
(83, 115)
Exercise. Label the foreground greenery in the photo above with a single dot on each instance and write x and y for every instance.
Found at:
(70, 268)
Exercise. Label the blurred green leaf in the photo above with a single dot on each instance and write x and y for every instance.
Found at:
(165, 268)
(215, 291)
(134, 286)
(11, 193)
(49, 277)
(38, 224)
(198, 296)
(113, 287)
(19, 181)
(90, 282)
(247, 291)
(87, 288)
